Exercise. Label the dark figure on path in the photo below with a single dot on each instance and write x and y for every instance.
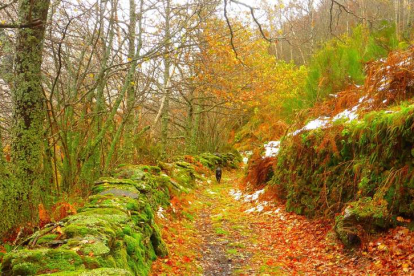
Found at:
(218, 174)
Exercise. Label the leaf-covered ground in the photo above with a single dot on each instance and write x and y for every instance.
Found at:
(220, 230)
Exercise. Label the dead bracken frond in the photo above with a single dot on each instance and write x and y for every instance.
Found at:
(260, 170)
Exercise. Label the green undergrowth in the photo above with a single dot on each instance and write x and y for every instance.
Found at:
(340, 62)
(115, 232)
(363, 167)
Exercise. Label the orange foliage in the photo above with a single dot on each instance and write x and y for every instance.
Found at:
(189, 159)
(61, 210)
(58, 212)
(260, 170)
(388, 81)
(44, 217)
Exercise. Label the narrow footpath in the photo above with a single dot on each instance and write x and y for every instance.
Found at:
(220, 230)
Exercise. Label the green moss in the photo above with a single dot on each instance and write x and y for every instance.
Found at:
(137, 254)
(352, 164)
(95, 248)
(47, 238)
(101, 188)
(365, 166)
(31, 262)
(120, 254)
(73, 230)
(127, 230)
(96, 272)
(160, 247)
(25, 268)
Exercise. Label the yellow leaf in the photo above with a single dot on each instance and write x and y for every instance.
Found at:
(382, 247)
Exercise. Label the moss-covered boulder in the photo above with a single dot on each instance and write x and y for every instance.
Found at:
(43, 260)
(181, 172)
(361, 217)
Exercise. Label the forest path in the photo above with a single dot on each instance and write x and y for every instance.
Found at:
(218, 230)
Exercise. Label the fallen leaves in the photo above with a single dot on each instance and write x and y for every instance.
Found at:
(392, 251)
(274, 241)
(180, 235)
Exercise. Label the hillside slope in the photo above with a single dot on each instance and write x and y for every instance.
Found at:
(356, 158)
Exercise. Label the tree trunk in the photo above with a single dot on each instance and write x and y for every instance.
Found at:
(133, 50)
(28, 104)
(167, 64)
(2, 160)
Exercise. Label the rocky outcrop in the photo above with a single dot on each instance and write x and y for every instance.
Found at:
(366, 215)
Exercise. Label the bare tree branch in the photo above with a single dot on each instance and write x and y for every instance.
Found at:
(231, 32)
(4, 6)
(32, 24)
(255, 20)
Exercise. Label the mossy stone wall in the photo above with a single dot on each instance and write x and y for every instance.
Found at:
(363, 165)
(114, 233)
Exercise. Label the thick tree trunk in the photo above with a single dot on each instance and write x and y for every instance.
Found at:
(28, 102)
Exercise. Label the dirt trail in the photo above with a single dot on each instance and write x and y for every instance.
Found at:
(218, 230)
(214, 259)
(221, 235)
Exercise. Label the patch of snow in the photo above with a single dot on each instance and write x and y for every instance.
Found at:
(324, 122)
(320, 122)
(254, 196)
(259, 208)
(347, 213)
(362, 99)
(236, 194)
(347, 114)
(251, 210)
(211, 192)
(246, 155)
(160, 212)
(272, 148)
